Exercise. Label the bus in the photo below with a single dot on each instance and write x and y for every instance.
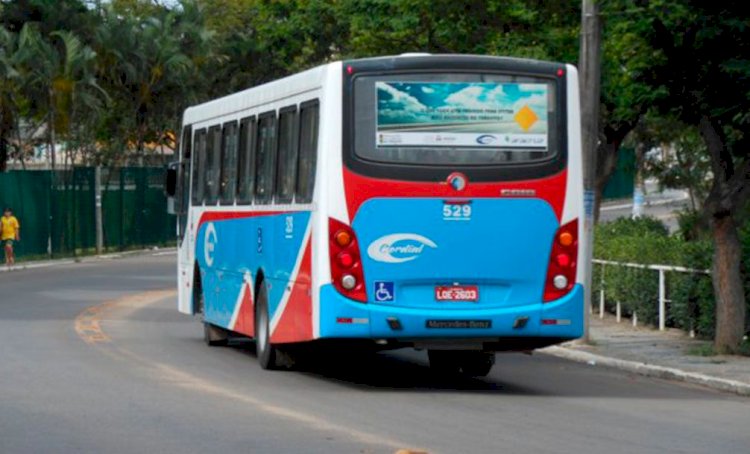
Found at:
(424, 201)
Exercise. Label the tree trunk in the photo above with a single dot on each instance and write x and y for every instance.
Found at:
(727, 194)
(728, 285)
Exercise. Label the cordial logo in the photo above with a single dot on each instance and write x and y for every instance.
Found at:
(398, 247)
(486, 139)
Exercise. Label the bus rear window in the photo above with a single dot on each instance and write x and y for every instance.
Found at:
(455, 119)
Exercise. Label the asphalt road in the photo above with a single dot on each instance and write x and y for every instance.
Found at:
(134, 376)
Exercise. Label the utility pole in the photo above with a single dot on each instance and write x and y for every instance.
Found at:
(589, 67)
(98, 209)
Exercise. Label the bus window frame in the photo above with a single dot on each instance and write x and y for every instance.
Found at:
(199, 163)
(246, 156)
(269, 165)
(182, 194)
(281, 165)
(213, 168)
(314, 107)
(229, 128)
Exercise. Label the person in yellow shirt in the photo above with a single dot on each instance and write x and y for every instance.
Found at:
(9, 232)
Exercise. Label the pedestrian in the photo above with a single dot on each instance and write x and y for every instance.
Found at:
(10, 232)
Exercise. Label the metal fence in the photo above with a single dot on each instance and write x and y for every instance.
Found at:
(56, 210)
(662, 289)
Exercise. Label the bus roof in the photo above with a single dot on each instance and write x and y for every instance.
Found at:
(313, 78)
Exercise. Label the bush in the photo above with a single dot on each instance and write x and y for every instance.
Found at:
(647, 241)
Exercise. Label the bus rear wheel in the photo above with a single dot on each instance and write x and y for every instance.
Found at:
(469, 363)
(268, 354)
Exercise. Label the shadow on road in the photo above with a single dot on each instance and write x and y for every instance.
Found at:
(391, 370)
(513, 375)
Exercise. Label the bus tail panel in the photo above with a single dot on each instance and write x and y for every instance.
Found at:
(455, 254)
(557, 321)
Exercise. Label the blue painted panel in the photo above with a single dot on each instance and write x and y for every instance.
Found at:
(413, 320)
(502, 245)
(228, 249)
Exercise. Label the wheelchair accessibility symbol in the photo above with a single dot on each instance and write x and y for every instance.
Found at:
(383, 291)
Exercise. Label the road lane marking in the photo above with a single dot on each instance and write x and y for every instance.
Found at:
(88, 326)
(88, 322)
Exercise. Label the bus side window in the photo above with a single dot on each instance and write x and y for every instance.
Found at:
(266, 158)
(213, 165)
(199, 166)
(228, 163)
(183, 179)
(308, 151)
(287, 168)
(246, 162)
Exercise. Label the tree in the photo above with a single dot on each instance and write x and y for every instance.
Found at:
(10, 82)
(534, 29)
(700, 61)
(59, 80)
(153, 67)
(628, 90)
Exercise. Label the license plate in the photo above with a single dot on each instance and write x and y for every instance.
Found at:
(457, 293)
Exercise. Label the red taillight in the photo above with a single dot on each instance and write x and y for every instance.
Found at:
(561, 273)
(346, 260)
(346, 266)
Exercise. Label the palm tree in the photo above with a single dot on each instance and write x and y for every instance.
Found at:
(9, 91)
(59, 80)
(151, 67)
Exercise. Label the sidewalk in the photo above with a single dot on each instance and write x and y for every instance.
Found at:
(646, 351)
(156, 251)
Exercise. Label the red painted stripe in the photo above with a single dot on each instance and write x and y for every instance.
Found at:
(359, 189)
(209, 216)
(245, 323)
(296, 323)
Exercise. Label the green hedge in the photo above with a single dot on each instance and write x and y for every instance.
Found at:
(647, 241)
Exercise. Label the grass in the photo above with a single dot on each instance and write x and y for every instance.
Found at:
(706, 349)
(744, 349)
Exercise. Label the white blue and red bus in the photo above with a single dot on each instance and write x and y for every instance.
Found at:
(426, 201)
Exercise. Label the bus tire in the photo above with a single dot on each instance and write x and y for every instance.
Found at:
(215, 336)
(444, 361)
(268, 354)
(477, 364)
(198, 300)
(469, 363)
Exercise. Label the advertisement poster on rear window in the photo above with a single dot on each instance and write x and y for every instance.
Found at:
(462, 114)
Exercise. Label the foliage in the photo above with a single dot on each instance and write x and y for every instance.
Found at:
(646, 241)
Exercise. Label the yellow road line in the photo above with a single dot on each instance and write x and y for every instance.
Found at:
(88, 322)
(89, 329)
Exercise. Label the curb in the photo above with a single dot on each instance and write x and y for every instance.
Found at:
(86, 259)
(650, 370)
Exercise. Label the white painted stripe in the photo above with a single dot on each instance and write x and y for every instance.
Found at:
(290, 285)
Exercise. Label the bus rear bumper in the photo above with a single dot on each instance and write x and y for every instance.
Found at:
(558, 321)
